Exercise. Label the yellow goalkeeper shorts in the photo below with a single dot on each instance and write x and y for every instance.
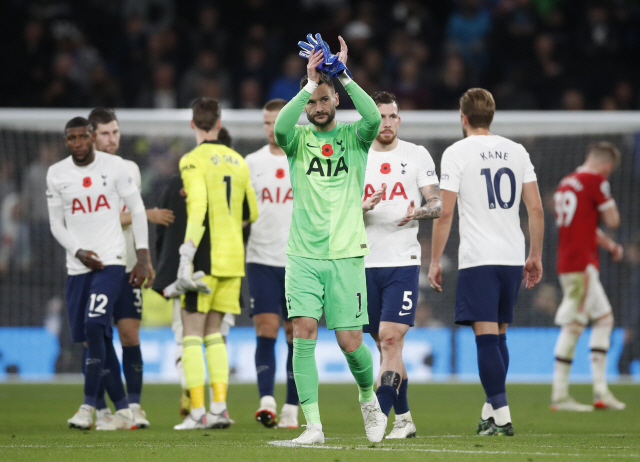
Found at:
(224, 296)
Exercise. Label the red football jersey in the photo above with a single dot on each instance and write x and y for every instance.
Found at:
(579, 199)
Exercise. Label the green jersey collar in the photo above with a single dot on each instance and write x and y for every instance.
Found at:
(330, 134)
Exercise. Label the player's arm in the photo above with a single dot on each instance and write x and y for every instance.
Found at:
(143, 269)
(440, 236)
(195, 188)
(533, 266)
(610, 215)
(130, 195)
(155, 215)
(367, 127)
(252, 203)
(611, 246)
(284, 127)
(59, 230)
(429, 211)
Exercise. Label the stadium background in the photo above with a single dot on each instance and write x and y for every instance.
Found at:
(159, 54)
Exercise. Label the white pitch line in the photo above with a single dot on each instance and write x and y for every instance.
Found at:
(291, 444)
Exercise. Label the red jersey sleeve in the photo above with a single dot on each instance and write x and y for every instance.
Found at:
(601, 193)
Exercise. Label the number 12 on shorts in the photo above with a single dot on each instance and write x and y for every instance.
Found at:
(97, 310)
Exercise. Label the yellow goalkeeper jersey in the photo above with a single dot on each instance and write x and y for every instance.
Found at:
(218, 187)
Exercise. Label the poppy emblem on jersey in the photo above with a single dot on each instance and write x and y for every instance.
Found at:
(280, 173)
(86, 181)
(327, 150)
(385, 168)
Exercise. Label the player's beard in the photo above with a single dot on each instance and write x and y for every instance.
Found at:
(330, 117)
(386, 141)
(109, 148)
(84, 159)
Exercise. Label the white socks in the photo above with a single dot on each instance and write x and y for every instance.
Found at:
(218, 406)
(598, 369)
(487, 411)
(502, 416)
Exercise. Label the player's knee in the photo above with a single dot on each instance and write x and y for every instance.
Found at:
(390, 340)
(601, 334)
(267, 325)
(94, 332)
(567, 340)
(304, 329)
(129, 337)
(288, 330)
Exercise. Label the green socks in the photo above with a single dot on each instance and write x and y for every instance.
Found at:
(361, 366)
(305, 373)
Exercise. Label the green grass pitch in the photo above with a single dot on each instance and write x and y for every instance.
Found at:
(33, 427)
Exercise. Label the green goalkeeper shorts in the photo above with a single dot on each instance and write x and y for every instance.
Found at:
(339, 286)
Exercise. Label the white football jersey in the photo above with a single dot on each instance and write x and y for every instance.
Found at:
(488, 172)
(269, 234)
(132, 258)
(404, 170)
(90, 197)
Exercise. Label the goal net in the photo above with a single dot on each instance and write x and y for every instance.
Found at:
(32, 270)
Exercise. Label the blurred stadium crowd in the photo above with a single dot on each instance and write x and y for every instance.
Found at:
(531, 54)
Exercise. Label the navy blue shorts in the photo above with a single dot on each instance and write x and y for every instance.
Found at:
(266, 289)
(129, 305)
(487, 293)
(392, 295)
(91, 297)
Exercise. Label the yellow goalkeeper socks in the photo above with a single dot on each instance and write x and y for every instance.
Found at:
(218, 366)
(194, 371)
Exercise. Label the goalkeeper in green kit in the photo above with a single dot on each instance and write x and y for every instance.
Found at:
(327, 240)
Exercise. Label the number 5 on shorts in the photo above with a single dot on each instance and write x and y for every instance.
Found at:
(406, 299)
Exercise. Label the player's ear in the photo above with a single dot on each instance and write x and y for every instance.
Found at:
(337, 100)
(218, 124)
(193, 126)
(399, 120)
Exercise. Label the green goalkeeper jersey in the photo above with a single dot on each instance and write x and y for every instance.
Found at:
(327, 176)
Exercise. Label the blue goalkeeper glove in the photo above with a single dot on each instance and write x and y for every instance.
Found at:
(317, 44)
(333, 66)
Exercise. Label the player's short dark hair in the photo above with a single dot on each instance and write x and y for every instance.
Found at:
(224, 137)
(605, 150)
(206, 112)
(384, 97)
(78, 122)
(479, 107)
(324, 79)
(101, 115)
(275, 104)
